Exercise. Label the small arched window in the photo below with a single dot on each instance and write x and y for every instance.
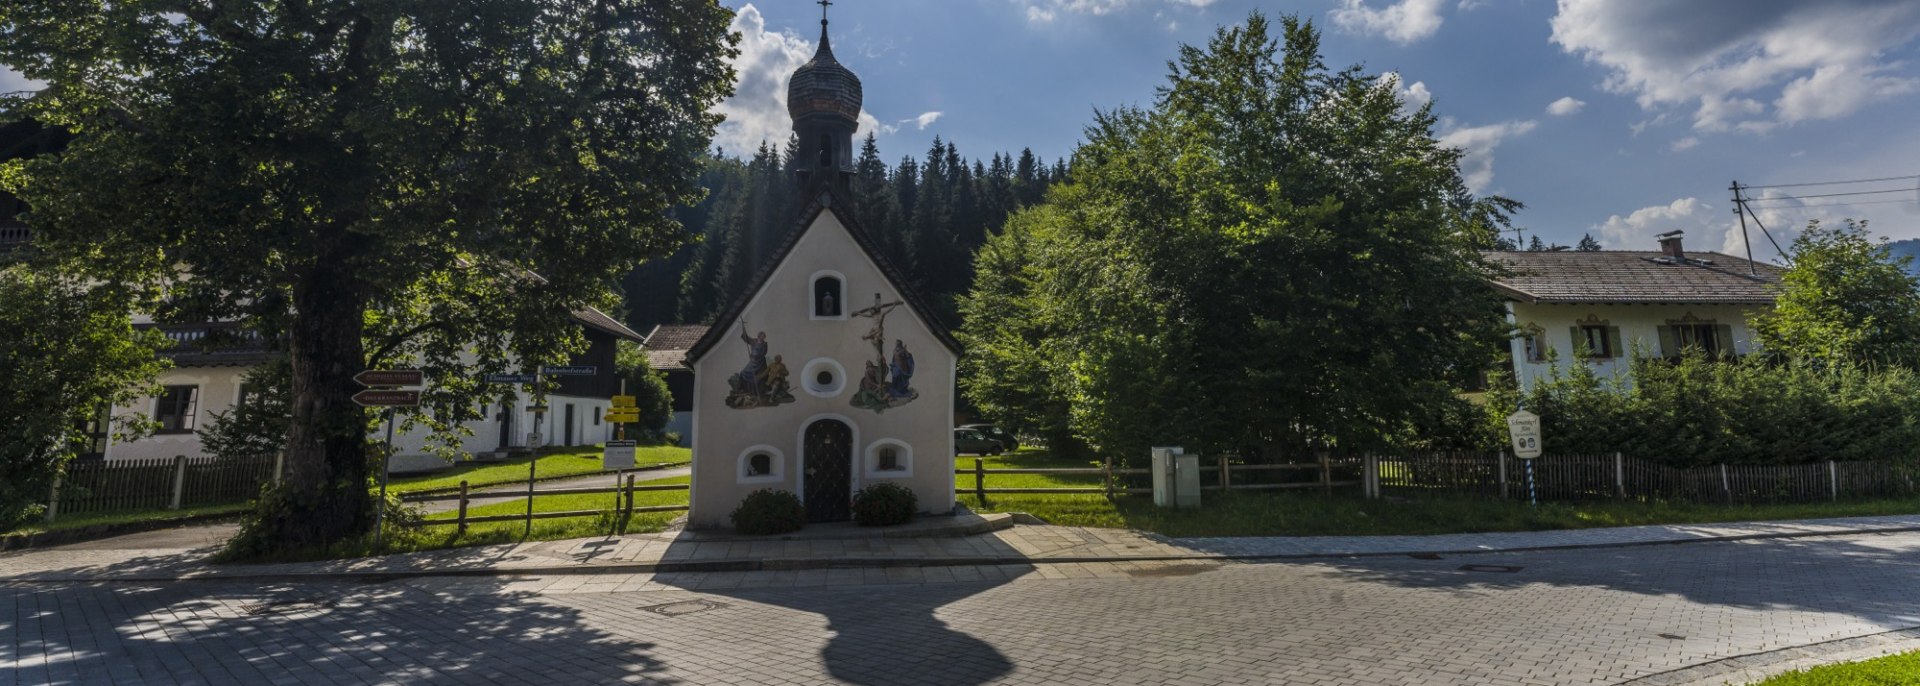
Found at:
(759, 464)
(828, 302)
(889, 459)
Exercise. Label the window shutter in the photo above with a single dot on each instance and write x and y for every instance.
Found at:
(1579, 341)
(1669, 343)
(1723, 337)
(1613, 341)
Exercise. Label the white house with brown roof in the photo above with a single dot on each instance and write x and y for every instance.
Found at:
(1609, 304)
(666, 351)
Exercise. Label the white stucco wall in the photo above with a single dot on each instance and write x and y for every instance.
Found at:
(1639, 326)
(220, 391)
(721, 435)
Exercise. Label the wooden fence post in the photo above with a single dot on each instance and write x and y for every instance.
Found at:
(980, 480)
(532, 465)
(1833, 479)
(463, 509)
(53, 499)
(179, 480)
(1503, 475)
(1326, 474)
(279, 466)
(1726, 484)
(1226, 478)
(629, 501)
(1107, 475)
(1620, 475)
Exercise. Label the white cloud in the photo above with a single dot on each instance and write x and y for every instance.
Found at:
(1727, 60)
(927, 119)
(1043, 11)
(1566, 106)
(1402, 22)
(758, 109)
(1471, 5)
(11, 81)
(1685, 143)
(1636, 230)
(1706, 223)
(1414, 96)
(1479, 142)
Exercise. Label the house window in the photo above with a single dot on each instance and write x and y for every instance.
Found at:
(823, 378)
(760, 464)
(174, 410)
(826, 297)
(1595, 339)
(889, 458)
(1709, 338)
(1535, 343)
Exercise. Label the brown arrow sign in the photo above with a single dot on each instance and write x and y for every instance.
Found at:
(387, 398)
(391, 377)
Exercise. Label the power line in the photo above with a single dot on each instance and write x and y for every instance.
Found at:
(1836, 195)
(1833, 183)
(1838, 204)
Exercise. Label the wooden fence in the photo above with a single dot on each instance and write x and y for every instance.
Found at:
(1499, 476)
(1325, 474)
(127, 485)
(1617, 477)
(622, 505)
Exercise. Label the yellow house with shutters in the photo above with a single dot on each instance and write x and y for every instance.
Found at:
(1609, 304)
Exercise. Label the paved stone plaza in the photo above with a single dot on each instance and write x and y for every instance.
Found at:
(1548, 617)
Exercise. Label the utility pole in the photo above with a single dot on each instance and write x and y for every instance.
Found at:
(1740, 208)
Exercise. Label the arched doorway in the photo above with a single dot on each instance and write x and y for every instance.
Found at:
(829, 471)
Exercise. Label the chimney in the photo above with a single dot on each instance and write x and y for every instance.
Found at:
(1670, 244)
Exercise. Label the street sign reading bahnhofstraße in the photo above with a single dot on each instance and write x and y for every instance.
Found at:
(1525, 429)
(570, 371)
(386, 398)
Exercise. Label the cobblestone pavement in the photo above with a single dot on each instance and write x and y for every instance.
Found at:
(1596, 616)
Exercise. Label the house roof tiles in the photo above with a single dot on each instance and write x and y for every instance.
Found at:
(1627, 276)
(667, 345)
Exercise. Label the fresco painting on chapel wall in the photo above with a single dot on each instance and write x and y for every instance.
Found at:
(888, 380)
(762, 383)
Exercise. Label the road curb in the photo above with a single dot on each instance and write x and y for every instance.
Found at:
(797, 564)
(1754, 667)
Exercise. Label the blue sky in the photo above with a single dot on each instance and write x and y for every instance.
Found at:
(1661, 103)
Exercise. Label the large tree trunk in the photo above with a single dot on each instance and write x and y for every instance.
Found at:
(325, 498)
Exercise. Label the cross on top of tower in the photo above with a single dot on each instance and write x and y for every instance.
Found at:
(824, 4)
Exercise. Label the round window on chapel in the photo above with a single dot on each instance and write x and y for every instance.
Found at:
(824, 378)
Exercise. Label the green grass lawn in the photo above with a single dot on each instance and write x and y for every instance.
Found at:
(1893, 670)
(553, 463)
(1309, 513)
(489, 533)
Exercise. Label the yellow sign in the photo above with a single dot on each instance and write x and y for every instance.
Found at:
(624, 401)
(623, 417)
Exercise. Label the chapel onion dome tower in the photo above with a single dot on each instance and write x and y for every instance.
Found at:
(824, 99)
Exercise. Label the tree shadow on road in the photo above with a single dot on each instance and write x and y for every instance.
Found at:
(214, 632)
(1872, 577)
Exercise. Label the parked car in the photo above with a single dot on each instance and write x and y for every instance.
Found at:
(971, 441)
(1006, 438)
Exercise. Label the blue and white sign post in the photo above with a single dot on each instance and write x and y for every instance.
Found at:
(1525, 428)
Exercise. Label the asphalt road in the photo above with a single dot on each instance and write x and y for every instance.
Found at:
(1563, 617)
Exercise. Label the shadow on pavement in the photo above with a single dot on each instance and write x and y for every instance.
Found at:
(221, 632)
(1871, 576)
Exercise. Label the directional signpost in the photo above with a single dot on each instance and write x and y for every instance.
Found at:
(512, 378)
(1524, 426)
(380, 393)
